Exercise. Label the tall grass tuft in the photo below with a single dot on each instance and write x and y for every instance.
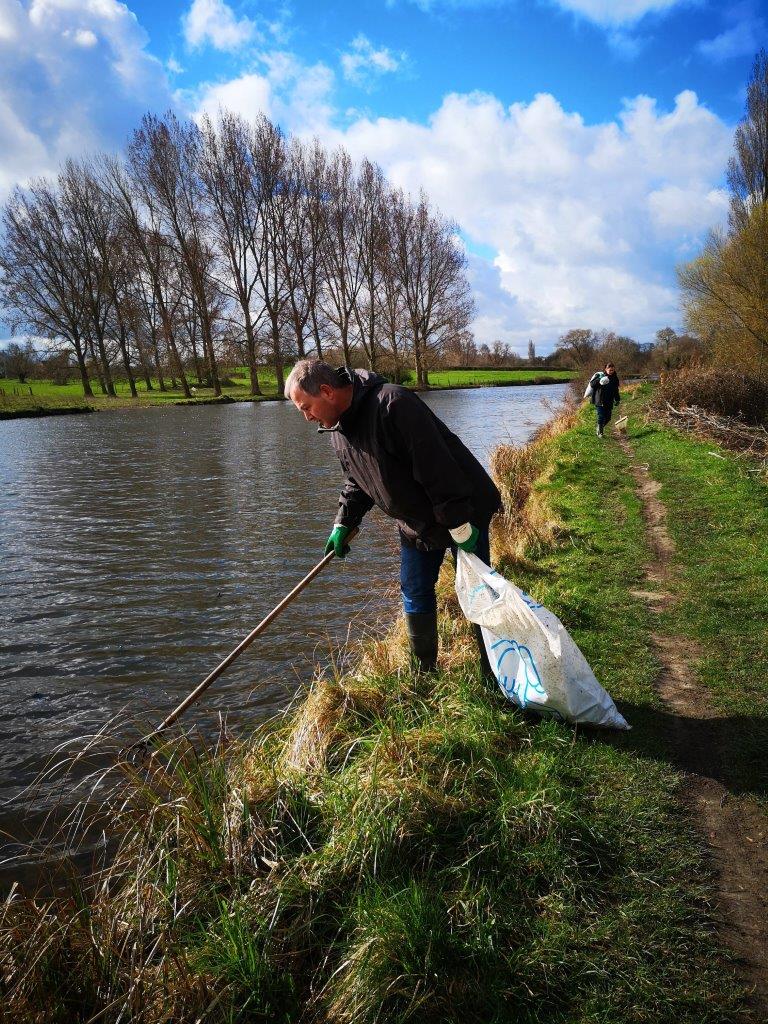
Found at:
(527, 524)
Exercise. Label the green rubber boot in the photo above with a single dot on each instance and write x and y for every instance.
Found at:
(422, 636)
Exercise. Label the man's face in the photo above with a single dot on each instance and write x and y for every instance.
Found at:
(323, 408)
(610, 370)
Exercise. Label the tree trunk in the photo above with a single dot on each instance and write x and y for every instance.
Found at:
(127, 362)
(277, 356)
(105, 364)
(84, 378)
(345, 342)
(210, 354)
(158, 364)
(417, 362)
(174, 352)
(316, 334)
(96, 366)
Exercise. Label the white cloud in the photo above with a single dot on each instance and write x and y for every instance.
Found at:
(81, 37)
(744, 39)
(674, 208)
(607, 13)
(363, 63)
(12, 17)
(214, 22)
(296, 95)
(74, 75)
(586, 220)
(616, 12)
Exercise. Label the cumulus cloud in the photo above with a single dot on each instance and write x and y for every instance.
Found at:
(363, 63)
(74, 75)
(214, 22)
(586, 220)
(297, 95)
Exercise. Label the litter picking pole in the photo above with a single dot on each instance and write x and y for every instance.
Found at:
(224, 665)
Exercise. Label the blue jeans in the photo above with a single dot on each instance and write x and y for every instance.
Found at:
(419, 571)
(603, 414)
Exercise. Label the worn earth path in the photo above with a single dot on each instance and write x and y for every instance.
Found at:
(734, 827)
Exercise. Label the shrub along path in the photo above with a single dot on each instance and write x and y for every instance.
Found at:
(733, 825)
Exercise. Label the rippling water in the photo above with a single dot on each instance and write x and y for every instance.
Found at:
(137, 548)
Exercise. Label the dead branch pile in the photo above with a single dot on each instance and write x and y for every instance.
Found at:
(729, 431)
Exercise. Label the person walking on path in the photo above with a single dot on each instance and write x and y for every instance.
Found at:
(396, 454)
(604, 394)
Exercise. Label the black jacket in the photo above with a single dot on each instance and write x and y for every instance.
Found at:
(398, 455)
(608, 394)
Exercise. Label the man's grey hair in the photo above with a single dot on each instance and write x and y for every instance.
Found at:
(309, 374)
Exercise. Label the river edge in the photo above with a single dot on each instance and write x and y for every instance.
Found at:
(392, 823)
(124, 404)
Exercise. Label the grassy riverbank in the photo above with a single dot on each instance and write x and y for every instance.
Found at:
(401, 848)
(44, 395)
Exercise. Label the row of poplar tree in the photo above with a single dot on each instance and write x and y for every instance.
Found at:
(225, 242)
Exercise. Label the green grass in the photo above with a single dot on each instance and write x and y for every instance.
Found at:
(445, 862)
(46, 394)
(477, 378)
(717, 515)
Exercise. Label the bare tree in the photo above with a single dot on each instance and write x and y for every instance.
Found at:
(228, 174)
(271, 197)
(165, 155)
(157, 273)
(303, 240)
(343, 269)
(372, 236)
(577, 346)
(431, 267)
(225, 241)
(39, 284)
(20, 360)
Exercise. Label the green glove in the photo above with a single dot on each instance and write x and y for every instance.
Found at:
(336, 540)
(465, 537)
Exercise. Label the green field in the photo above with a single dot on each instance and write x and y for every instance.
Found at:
(485, 378)
(44, 394)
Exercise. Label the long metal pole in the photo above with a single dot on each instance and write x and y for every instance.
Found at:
(222, 666)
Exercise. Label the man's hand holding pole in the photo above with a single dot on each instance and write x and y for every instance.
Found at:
(337, 541)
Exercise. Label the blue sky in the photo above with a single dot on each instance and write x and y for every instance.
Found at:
(579, 144)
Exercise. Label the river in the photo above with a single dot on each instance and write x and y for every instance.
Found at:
(137, 548)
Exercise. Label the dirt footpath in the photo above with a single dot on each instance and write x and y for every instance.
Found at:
(734, 826)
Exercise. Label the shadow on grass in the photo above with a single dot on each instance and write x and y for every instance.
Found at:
(731, 750)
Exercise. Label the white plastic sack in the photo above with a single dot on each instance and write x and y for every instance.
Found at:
(594, 380)
(536, 662)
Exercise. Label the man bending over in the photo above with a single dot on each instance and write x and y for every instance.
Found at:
(398, 455)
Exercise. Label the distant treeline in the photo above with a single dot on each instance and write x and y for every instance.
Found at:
(226, 243)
